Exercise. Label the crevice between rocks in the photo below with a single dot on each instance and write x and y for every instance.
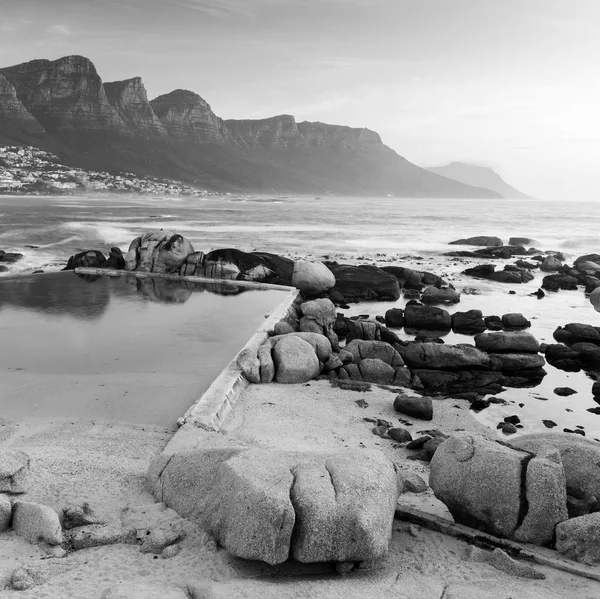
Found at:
(294, 535)
(524, 502)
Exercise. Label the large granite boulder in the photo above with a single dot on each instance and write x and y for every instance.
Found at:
(551, 264)
(525, 361)
(507, 342)
(559, 281)
(231, 263)
(312, 278)
(295, 360)
(268, 505)
(319, 316)
(443, 357)
(380, 350)
(14, 471)
(563, 358)
(364, 282)
(579, 538)
(159, 251)
(524, 242)
(576, 331)
(192, 265)
(468, 323)
(580, 458)
(36, 522)
(320, 344)
(479, 240)
(428, 318)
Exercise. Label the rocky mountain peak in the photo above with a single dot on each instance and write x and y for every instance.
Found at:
(12, 111)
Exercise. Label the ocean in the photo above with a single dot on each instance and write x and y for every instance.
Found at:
(407, 232)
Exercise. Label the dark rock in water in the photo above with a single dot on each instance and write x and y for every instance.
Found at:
(576, 331)
(575, 431)
(413, 279)
(479, 240)
(3, 268)
(508, 275)
(514, 419)
(337, 298)
(564, 391)
(458, 381)
(525, 264)
(509, 429)
(539, 294)
(514, 342)
(515, 321)
(551, 264)
(436, 356)
(587, 258)
(559, 281)
(417, 407)
(523, 241)
(440, 295)
(494, 323)
(364, 282)
(394, 318)
(563, 358)
(428, 338)
(87, 259)
(596, 389)
(549, 423)
(9, 257)
(502, 253)
(479, 404)
(116, 260)
(589, 353)
(427, 317)
(591, 283)
(400, 435)
(468, 323)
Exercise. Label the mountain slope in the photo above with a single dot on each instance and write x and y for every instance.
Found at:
(64, 106)
(479, 176)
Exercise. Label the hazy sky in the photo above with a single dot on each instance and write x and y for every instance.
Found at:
(513, 84)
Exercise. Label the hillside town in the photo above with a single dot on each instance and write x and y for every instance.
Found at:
(29, 170)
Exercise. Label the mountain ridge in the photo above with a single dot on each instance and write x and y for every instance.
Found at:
(65, 107)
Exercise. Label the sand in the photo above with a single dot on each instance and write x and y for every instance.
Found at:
(105, 463)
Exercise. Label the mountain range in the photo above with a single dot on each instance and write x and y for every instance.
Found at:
(479, 176)
(64, 107)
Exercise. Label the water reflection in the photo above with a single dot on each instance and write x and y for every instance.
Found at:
(88, 296)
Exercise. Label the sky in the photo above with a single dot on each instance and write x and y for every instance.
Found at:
(510, 84)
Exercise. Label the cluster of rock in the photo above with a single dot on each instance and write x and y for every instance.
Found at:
(541, 489)
(578, 348)
(8, 258)
(584, 272)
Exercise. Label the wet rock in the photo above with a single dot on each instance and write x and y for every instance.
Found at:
(432, 445)
(364, 282)
(515, 321)
(437, 356)
(400, 435)
(440, 295)
(361, 349)
(479, 240)
(115, 260)
(595, 299)
(86, 259)
(192, 265)
(36, 522)
(494, 323)
(575, 332)
(563, 358)
(14, 471)
(559, 281)
(394, 317)
(312, 278)
(564, 391)
(10, 257)
(468, 323)
(518, 362)
(549, 423)
(295, 360)
(418, 442)
(551, 264)
(427, 317)
(417, 407)
(507, 342)
(160, 251)
(579, 538)
(509, 429)
(510, 274)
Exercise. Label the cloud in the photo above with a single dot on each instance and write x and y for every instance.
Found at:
(59, 30)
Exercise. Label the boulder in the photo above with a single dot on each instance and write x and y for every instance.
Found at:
(579, 538)
(380, 350)
(283, 327)
(524, 242)
(440, 295)
(319, 314)
(192, 265)
(417, 407)
(480, 482)
(376, 371)
(588, 267)
(5, 512)
(517, 361)
(413, 279)
(269, 505)
(559, 281)
(295, 360)
(479, 240)
(394, 317)
(266, 364)
(144, 590)
(580, 459)
(10, 257)
(429, 318)
(86, 259)
(443, 357)
(312, 278)
(507, 342)
(159, 251)
(249, 364)
(551, 264)
(36, 522)
(115, 260)
(515, 321)
(494, 323)
(320, 344)
(364, 282)
(563, 358)
(510, 274)
(468, 323)
(14, 471)
(576, 331)
(546, 492)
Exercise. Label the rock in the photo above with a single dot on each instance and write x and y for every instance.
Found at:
(14, 471)
(5, 512)
(418, 442)
(115, 260)
(399, 434)
(320, 344)
(267, 366)
(414, 279)
(550, 264)
(427, 317)
(321, 311)
(508, 275)
(564, 391)
(576, 331)
(249, 364)
(159, 251)
(339, 506)
(192, 265)
(417, 407)
(524, 242)
(84, 537)
(596, 389)
(580, 458)
(440, 295)
(503, 562)
(468, 323)
(562, 357)
(579, 538)
(480, 482)
(144, 590)
(295, 360)
(158, 539)
(587, 267)
(442, 357)
(35, 522)
(78, 515)
(171, 551)
(431, 446)
(364, 282)
(515, 321)
(559, 281)
(595, 299)
(410, 482)
(507, 342)
(546, 492)
(494, 323)
(283, 328)
(86, 259)
(479, 240)
(509, 429)
(506, 362)
(361, 349)
(231, 263)
(394, 317)
(376, 371)
(312, 278)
